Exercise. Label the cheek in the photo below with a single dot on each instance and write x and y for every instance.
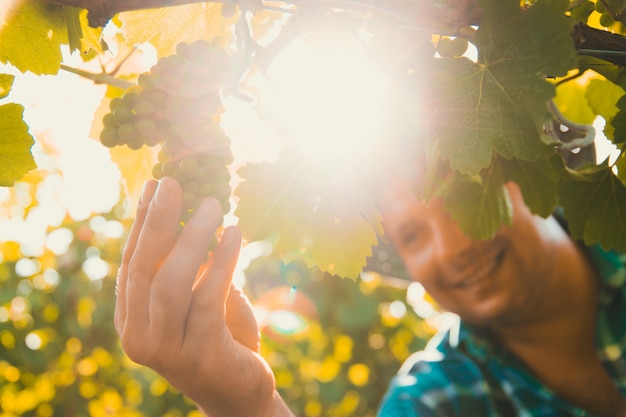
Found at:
(421, 268)
(532, 241)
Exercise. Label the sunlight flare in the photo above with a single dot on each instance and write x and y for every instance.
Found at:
(328, 99)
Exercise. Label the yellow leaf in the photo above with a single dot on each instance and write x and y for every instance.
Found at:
(165, 27)
(135, 168)
(91, 40)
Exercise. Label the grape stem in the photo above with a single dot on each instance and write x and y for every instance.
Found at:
(102, 78)
(585, 134)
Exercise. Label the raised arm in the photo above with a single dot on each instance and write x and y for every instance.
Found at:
(179, 314)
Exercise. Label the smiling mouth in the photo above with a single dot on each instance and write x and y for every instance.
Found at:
(474, 275)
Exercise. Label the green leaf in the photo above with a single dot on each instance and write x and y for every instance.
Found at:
(82, 37)
(538, 180)
(32, 36)
(620, 164)
(499, 103)
(6, 82)
(74, 31)
(322, 219)
(602, 96)
(480, 206)
(619, 121)
(581, 9)
(15, 143)
(593, 200)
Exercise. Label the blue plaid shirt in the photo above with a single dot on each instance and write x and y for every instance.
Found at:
(460, 374)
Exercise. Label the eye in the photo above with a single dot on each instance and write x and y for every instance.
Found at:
(411, 237)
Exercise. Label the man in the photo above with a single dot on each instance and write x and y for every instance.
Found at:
(530, 294)
(535, 340)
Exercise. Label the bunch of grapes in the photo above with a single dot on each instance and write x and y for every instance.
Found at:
(177, 105)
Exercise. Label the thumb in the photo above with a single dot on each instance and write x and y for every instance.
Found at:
(241, 321)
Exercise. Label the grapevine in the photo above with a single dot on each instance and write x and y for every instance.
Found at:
(177, 106)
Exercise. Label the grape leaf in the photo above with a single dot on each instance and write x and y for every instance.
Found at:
(581, 9)
(32, 37)
(593, 199)
(81, 36)
(479, 205)
(619, 121)
(321, 220)
(15, 143)
(538, 180)
(499, 103)
(620, 164)
(602, 96)
(74, 31)
(166, 27)
(6, 82)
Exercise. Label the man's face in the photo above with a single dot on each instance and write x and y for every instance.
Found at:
(485, 282)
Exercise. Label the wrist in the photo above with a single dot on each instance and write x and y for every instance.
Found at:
(276, 408)
(250, 394)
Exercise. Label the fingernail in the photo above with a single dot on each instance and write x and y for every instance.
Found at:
(205, 213)
(162, 193)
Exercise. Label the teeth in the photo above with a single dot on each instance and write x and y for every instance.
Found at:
(480, 273)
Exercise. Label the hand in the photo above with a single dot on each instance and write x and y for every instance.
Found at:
(179, 314)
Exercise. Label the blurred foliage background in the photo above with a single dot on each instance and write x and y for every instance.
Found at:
(333, 343)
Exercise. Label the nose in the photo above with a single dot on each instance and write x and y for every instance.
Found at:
(451, 246)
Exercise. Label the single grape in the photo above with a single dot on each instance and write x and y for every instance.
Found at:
(127, 132)
(115, 103)
(221, 191)
(188, 166)
(135, 143)
(606, 19)
(450, 48)
(109, 120)
(169, 168)
(229, 10)
(144, 107)
(171, 146)
(123, 114)
(148, 129)
(157, 170)
(108, 137)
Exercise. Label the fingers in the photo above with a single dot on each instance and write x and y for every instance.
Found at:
(212, 288)
(241, 321)
(147, 193)
(156, 239)
(172, 286)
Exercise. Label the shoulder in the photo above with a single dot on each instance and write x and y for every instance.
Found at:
(439, 381)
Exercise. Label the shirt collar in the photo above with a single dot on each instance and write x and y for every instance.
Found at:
(610, 266)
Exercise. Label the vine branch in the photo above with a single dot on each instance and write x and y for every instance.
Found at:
(100, 11)
(102, 78)
(445, 15)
